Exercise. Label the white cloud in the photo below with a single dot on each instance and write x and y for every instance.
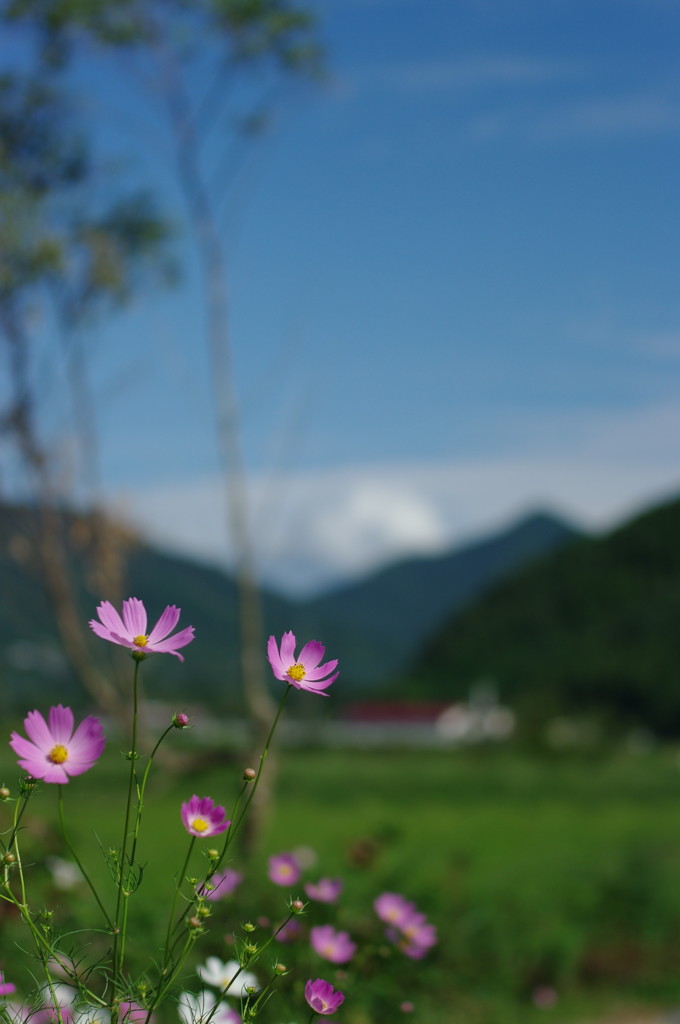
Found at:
(317, 528)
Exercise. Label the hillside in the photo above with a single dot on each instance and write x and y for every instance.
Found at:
(380, 622)
(592, 628)
(374, 625)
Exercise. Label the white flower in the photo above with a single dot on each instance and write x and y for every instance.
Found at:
(92, 1015)
(222, 975)
(201, 1008)
(65, 874)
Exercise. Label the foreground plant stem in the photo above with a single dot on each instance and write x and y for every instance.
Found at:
(76, 858)
(123, 894)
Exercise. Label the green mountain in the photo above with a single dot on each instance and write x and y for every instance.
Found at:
(592, 628)
(381, 621)
(374, 625)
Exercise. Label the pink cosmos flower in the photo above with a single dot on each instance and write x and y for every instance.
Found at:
(130, 631)
(416, 936)
(202, 817)
(326, 890)
(221, 884)
(290, 931)
(305, 672)
(6, 987)
(393, 908)
(53, 751)
(283, 869)
(331, 945)
(409, 929)
(322, 997)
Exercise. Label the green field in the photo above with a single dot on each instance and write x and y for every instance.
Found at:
(538, 872)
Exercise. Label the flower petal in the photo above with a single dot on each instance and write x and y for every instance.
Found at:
(173, 643)
(110, 618)
(36, 728)
(274, 657)
(104, 632)
(87, 743)
(134, 617)
(165, 624)
(311, 654)
(61, 724)
(321, 671)
(287, 650)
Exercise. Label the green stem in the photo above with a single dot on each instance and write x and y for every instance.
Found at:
(236, 821)
(118, 939)
(76, 858)
(233, 830)
(171, 918)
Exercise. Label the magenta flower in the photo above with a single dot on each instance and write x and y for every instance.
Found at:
(283, 869)
(409, 929)
(6, 987)
(322, 997)
(326, 890)
(221, 884)
(331, 945)
(289, 932)
(305, 672)
(416, 936)
(130, 631)
(393, 908)
(202, 817)
(53, 751)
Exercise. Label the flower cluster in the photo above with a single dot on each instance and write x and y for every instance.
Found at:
(54, 750)
(407, 927)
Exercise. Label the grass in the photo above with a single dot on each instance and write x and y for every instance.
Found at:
(558, 872)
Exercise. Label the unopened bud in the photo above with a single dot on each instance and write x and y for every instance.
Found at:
(180, 720)
(250, 948)
(9, 858)
(297, 906)
(249, 926)
(194, 922)
(280, 969)
(249, 774)
(213, 854)
(27, 784)
(203, 911)
(4, 793)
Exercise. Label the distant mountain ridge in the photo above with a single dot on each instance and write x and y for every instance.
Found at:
(591, 628)
(374, 625)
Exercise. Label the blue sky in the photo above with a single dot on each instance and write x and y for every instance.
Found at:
(454, 286)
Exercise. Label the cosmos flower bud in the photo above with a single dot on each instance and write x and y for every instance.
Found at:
(4, 793)
(297, 906)
(180, 720)
(249, 774)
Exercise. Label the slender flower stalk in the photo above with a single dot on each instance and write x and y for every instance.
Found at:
(119, 936)
(77, 859)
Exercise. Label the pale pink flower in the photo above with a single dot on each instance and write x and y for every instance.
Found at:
(53, 751)
(393, 908)
(289, 932)
(303, 672)
(326, 890)
(416, 936)
(202, 817)
(322, 997)
(283, 869)
(6, 987)
(130, 631)
(221, 884)
(331, 945)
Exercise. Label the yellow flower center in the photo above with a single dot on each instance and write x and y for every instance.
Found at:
(58, 754)
(296, 672)
(141, 641)
(199, 824)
